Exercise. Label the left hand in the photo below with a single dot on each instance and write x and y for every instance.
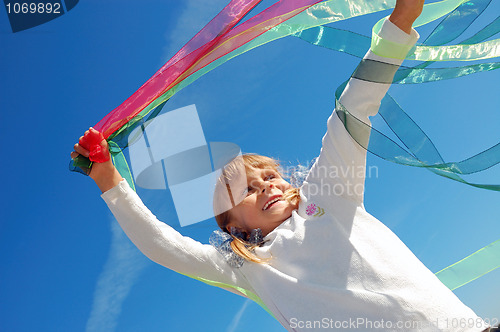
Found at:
(405, 13)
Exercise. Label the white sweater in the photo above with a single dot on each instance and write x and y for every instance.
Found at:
(333, 265)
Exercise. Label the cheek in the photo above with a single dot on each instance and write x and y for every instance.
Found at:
(251, 219)
(250, 210)
(285, 186)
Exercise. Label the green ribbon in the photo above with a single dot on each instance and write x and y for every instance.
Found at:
(458, 52)
(322, 13)
(120, 163)
(249, 294)
(471, 267)
(308, 26)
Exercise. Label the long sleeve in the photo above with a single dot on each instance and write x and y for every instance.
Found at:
(340, 168)
(165, 246)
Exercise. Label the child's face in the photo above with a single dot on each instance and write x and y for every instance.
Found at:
(263, 206)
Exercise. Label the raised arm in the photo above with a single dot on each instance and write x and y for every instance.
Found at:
(155, 239)
(340, 169)
(167, 247)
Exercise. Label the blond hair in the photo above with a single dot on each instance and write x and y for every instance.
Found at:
(231, 172)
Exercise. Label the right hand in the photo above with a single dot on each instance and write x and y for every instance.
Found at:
(104, 173)
(92, 145)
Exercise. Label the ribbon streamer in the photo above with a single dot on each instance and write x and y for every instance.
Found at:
(471, 267)
(223, 39)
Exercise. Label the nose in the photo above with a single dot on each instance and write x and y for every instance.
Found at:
(267, 186)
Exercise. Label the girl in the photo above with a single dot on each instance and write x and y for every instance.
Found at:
(312, 256)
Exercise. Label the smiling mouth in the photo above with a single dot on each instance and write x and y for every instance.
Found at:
(272, 202)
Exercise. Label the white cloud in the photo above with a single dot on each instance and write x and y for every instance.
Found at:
(196, 14)
(119, 274)
(236, 320)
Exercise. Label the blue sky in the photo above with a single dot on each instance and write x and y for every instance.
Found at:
(66, 266)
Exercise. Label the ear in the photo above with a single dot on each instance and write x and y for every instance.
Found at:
(230, 225)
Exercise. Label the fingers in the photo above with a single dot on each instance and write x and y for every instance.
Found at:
(85, 142)
(80, 146)
(83, 139)
(92, 145)
(103, 143)
(80, 150)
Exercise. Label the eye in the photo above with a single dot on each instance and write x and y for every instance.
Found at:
(248, 190)
(270, 177)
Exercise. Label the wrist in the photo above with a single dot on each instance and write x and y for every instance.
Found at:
(405, 13)
(105, 175)
(402, 22)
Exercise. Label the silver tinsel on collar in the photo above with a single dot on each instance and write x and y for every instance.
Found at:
(222, 242)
